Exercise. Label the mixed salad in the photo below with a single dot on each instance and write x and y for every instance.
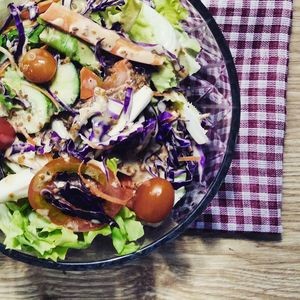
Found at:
(96, 136)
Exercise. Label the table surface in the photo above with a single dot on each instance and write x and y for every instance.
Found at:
(205, 266)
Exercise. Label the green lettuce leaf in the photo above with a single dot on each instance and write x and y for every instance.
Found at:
(126, 15)
(111, 16)
(6, 103)
(165, 78)
(34, 36)
(129, 230)
(188, 52)
(171, 10)
(130, 13)
(27, 231)
(112, 164)
(161, 26)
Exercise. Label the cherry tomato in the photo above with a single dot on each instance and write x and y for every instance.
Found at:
(71, 165)
(154, 200)
(38, 66)
(88, 82)
(119, 74)
(7, 134)
(38, 203)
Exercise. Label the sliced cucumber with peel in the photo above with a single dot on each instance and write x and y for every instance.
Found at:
(38, 114)
(66, 84)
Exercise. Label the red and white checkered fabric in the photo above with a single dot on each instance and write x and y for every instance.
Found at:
(258, 33)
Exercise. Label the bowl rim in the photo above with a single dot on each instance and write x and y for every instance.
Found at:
(208, 197)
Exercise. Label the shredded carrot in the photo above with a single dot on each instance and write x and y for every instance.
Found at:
(27, 136)
(26, 24)
(3, 67)
(9, 28)
(189, 158)
(173, 119)
(9, 56)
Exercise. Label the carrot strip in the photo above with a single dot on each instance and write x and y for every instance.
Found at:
(3, 67)
(94, 189)
(27, 136)
(189, 158)
(9, 56)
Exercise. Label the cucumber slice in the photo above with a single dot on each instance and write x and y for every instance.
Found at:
(73, 48)
(38, 114)
(66, 83)
(34, 118)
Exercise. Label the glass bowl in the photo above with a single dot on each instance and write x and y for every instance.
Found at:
(214, 90)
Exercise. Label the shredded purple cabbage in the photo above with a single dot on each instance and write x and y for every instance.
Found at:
(69, 147)
(62, 104)
(138, 132)
(99, 54)
(164, 116)
(174, 136)
(81, 152)
(89, 4)
(6, 24)
(128, 101)
(146, 44)
(99, 126)
(106, 59)
(16, 100)
(52, 142)
(15, 13)
(117, 138)
(22, 148)
(104, 4)
(73, 198)
(115, 108)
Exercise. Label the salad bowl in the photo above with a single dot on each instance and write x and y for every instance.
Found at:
(214, 91)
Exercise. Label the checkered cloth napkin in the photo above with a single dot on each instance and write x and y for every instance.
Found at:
(257, 32)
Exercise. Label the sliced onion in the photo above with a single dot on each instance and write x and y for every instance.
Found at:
(9, 56)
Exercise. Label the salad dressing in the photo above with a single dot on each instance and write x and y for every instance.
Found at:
(104, 142)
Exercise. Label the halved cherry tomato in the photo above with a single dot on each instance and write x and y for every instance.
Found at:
(88, 82)
(119, 74)
(7, 134)
(44, 177)
(154, 200)
(38, 65)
